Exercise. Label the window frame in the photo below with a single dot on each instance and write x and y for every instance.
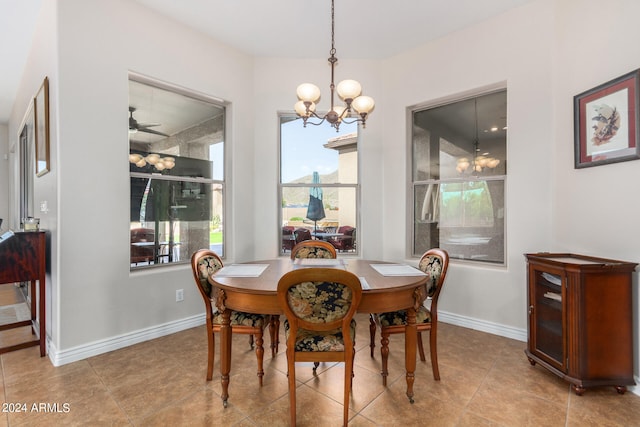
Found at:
(292, 116)
(224, 106)
(413, 183)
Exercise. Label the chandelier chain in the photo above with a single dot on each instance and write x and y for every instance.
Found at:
(333, 31)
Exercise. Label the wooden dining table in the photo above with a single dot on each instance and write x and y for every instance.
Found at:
(258, 294)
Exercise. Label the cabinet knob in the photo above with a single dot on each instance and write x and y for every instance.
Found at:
(530, 309)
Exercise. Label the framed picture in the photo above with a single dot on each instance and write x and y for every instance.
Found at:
(606, 122)
(41, 109)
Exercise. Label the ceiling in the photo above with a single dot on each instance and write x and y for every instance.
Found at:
(373, 29)
(165, 111)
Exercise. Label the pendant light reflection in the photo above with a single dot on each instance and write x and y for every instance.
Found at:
(479, 163)
(159, 163)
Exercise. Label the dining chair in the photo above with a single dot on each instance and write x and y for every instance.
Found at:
(203, 263)
(434, 263)
(319, 305)
(313, 249)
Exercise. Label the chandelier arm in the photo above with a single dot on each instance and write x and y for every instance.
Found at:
(307, 122)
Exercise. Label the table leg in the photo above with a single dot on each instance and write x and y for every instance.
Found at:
(225, 354)
(411, 334)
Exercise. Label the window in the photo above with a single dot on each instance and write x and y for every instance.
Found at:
(458, 177)
(318, 184)
(176, 164)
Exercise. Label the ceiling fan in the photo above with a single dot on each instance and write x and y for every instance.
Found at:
(134, 126)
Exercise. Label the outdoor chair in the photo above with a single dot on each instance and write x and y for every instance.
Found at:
(346, 242)
(302, 234)
(203, 263)
(434, 263)
(319, 305)
(142, 253)
(288, 237)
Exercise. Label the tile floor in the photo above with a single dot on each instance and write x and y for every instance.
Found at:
(486, 381)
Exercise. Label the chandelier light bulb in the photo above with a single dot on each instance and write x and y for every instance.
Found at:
(363, 104)
(308, 92)
(301, 108)
(169, 162)
(153, 158)
(348, 89)
(463, 164)
(493, 163)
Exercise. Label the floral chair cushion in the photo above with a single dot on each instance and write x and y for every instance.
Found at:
(210, 264)
(313, 252)
(423, 315)
(241, 318)
(206, 266)
(320, 302)
(320, 340)
(432, 266)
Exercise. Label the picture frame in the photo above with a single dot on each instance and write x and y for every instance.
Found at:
(606, 122)
(41, 114)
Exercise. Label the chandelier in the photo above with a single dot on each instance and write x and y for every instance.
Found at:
(159, 163)
(356, 107)
(479, 162)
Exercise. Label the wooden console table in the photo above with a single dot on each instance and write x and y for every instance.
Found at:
(23, 259)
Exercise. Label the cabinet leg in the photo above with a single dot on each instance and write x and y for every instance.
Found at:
(533, 362)
(621, 389)
(579, 390)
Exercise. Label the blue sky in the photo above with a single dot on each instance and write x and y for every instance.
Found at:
(303, 151)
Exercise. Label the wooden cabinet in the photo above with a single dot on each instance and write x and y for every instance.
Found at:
(580, 319)
(23, 258)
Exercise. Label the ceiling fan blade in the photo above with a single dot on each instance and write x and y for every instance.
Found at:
(134, 126)
(155, 132)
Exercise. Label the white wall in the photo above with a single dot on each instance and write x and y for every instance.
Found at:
(596, 209)
(42, 62)
(4, 176)
(511, 50)
(276, 80)
(94, 295)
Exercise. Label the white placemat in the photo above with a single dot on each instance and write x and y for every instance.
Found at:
(319, 262)
(397, 270)
(242, 270)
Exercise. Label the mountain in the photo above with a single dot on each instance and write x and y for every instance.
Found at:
(300, 195)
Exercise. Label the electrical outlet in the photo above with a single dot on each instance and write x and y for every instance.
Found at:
(179, 295)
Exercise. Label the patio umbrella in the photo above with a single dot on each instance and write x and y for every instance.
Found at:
(315, 210)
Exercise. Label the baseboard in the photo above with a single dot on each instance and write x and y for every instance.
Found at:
(62, 357)
(483, 325)
(634, 388)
